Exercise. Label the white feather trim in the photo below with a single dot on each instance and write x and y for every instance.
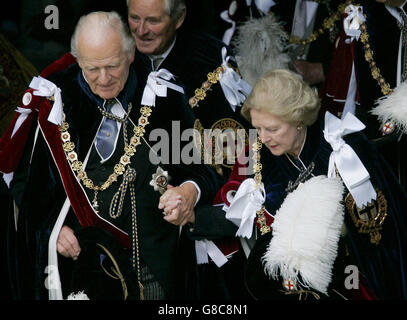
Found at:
(78, 296)
(306, 231)
(393, 107)
(259, 46)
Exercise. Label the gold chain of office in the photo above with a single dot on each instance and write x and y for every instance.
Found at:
(200, 93)
(212, 78)
(261, 219)
(374, 69)
(327, 24)
(119, 168)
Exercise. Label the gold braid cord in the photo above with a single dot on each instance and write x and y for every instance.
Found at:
(116, 270)
(212, 78)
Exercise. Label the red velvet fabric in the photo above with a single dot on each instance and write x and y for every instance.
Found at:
(335, 90)
(62, 63)
(11, 148)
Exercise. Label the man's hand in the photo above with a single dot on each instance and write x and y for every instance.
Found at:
(311, 72)
(178, 204)
(67, 243)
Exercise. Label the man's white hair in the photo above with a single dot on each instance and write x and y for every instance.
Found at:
(101, 20)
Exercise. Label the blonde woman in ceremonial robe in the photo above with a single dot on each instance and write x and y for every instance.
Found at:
(327, 212)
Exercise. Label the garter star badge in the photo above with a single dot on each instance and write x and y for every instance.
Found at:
(160, 180)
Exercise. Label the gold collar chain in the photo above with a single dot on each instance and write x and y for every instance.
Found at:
(200, 93)
(261, 219)
(375, 71)
(119, 168)
(327, 24)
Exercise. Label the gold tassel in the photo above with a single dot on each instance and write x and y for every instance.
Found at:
(141, 290)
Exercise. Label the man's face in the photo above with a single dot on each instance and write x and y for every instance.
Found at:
(152, 28)
(105, 64)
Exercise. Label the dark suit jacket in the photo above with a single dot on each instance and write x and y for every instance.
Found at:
(320, 50)
(193, 56)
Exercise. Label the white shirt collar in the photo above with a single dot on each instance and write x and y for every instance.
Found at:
(165, 54)
(393, 11)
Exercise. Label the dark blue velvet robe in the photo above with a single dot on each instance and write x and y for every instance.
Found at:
(382, 266)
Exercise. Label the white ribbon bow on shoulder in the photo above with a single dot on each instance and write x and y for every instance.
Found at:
(234, 87)
(246, 202)
(45, 88)
(352, 22)
(157, 84)
(354, 174)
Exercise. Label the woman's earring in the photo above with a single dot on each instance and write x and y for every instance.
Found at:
(299, 128)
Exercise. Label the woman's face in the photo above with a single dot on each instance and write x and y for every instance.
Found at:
(277, 135)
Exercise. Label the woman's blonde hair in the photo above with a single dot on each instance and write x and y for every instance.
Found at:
(283, 94)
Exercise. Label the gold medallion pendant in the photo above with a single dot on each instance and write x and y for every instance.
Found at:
(370, 218)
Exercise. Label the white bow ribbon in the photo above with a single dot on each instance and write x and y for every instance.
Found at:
(227, 36)
(205, 248)
(157, 84)
(24, 112)
(246, 202)
(264, 5)
(234, 87)
(354, 174)
(45, 88)
(352, 22)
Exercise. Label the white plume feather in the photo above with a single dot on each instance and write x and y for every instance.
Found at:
(260, 45)
(306, 231)
(393, 107)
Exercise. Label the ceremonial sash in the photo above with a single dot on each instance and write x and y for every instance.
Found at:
(11, 150)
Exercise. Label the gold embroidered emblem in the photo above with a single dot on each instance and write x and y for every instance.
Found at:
(222, 143)
(370, 218)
